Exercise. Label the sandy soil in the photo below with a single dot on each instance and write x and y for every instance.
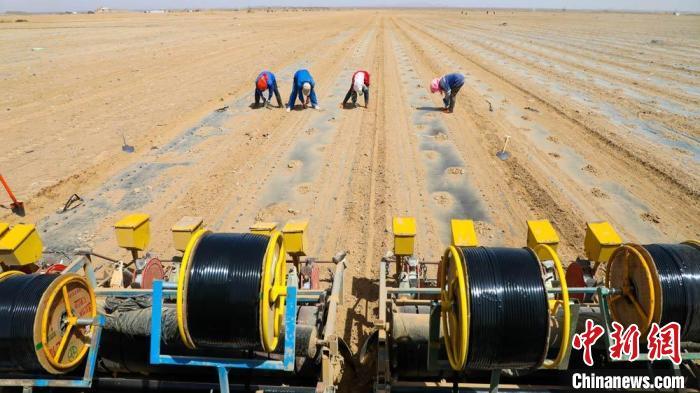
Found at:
(602, 109)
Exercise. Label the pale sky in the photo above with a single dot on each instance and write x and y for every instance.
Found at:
(83, 5)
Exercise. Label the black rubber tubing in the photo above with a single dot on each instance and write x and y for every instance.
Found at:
(223, 292)
(19, 300)
(678, 266)
(509, 311)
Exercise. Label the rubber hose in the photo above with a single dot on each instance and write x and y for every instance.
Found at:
(509, 312)
(19, 300)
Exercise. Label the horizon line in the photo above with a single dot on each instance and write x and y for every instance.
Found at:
(562, 9)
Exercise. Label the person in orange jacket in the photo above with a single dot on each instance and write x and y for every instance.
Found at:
(359, 86)
(266, 81)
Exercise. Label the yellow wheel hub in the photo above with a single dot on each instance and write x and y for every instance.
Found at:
(274, 292)
(182, 288)
(545, 252)
(631, 270)
(454, 306)
(60, 342)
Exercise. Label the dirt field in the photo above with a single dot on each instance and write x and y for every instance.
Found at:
(602, 109)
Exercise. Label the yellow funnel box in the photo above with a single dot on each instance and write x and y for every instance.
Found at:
(20, 246)
(600, 241)
(183, 230)
(541, 232)
(294, 235)
(404, 234)
(133, 231)
(463, 233)
(263, 228)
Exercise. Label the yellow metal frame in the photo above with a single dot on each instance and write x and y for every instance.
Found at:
(543, 251)
(456, 345)
(273, 291)
(180, 305)
(627, 291)
(60, 286)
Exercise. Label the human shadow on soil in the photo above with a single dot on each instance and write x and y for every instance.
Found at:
(264, 106)
(430, 108)
(299, 107)
(366, 291)
(348, 106)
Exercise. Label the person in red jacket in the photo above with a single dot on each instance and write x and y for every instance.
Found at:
(359, 86)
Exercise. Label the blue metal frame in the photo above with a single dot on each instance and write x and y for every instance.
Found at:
(221, 364)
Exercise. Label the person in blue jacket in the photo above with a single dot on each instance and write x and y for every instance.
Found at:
(266, 81)
(449, 85)
(304, 88)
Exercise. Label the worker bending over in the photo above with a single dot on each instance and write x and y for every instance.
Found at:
(359, 85)
(303, 87)
(266, 81)
(449, 85)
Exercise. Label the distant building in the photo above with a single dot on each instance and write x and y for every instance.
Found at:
(103, 10)
(155, 11)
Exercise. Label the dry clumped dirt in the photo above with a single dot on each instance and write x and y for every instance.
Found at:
(602, 110)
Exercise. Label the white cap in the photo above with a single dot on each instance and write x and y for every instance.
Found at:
(306, 88)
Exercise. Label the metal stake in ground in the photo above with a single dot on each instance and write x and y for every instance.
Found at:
(503, 154)
(126, 147)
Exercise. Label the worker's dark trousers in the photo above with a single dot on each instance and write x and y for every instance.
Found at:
(353, 94)
(259, 95)
(453, 96)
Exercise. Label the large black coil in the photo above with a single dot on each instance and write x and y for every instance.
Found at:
(509, 315)
(223, 292)
(678, 267)
(20, 296)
